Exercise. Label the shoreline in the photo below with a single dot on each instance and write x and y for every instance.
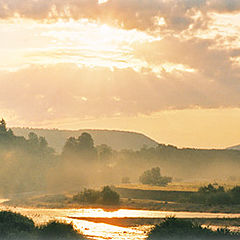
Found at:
(133, 204)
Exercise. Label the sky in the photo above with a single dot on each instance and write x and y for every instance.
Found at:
(167, 68)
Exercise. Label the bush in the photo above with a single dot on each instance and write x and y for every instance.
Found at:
(88, 196)
(173, 228)
(216, 195)
(107, 196)
(153, 177)
(14, 226)
(211, 189)
(110, 197)
(235, 195)
(56, 230)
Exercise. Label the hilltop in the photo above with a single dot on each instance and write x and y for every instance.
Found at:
(236, 147)
(116, 139)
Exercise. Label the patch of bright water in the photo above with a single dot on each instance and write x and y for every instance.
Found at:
(105, 231)
(99, 231)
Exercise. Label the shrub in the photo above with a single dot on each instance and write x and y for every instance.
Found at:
(213, 195)
(107, 196)
(15, 226)
(153, 177)
(211, 189)
(88, 196)
(56, 230)
(110, 197)
(235, 194)
(173, 228)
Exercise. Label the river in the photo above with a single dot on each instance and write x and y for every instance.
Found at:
(100, 231)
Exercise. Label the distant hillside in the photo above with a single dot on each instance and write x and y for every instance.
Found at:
(116, 139)
(236, 147)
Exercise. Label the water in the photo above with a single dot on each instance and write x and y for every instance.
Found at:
(99, 231)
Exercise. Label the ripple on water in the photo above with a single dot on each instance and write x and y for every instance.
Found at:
(106, 231)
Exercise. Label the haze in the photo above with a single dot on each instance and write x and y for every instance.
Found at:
(169, 69)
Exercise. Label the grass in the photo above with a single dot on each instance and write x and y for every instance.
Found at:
(175, 186)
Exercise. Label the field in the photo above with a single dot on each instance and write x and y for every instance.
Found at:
(133, 196)
(177, 186)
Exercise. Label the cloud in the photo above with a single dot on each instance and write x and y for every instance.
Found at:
(66, 91)
(198, 54)
(224, 6)
(140, 14)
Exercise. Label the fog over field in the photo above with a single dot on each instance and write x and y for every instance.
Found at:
(116, 105)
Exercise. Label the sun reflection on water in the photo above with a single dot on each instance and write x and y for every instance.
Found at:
(99, 230)
(106, 231)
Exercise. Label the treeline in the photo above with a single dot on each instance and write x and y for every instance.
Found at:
(215, 195)
(24, 161)
(185, 163)
(29, 164)
(128, 165)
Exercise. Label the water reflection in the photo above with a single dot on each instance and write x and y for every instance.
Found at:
(106, 231)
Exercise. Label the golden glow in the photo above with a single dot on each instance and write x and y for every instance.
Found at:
(199, 128)
(79, 42)
(170, 67)
(102, 1)
(166, 79)
(224, 29)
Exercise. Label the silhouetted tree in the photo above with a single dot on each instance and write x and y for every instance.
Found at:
(109, 196)
(70, 145)
(3, 126)
(211, 189)
(85, 141)
(153, 177)
(81, 148)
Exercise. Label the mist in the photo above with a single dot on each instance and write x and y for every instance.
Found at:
(29, 165)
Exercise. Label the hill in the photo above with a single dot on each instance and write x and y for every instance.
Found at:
(116, 139)
(236, 147)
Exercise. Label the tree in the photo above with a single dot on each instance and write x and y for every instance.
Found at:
(81, 148)
(70, 145)
(153, 177)
(85, 141)
(104, 153)
(33, 139)
(110, 197)
(3, 126)
(211, 189)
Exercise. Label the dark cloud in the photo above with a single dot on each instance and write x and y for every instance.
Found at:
(224, 5)
(138, 14)
(212, 63)
(66, 91)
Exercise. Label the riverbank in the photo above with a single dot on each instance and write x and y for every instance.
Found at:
(65, 201)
